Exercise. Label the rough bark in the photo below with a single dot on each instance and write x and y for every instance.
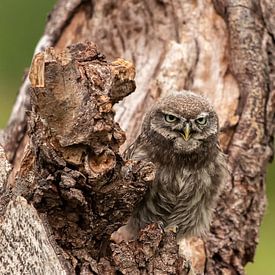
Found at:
(71, 172)
(222, 49)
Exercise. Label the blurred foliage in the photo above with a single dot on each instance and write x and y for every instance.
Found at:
(21, 25)
(264, 262)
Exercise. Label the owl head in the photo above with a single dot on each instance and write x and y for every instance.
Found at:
(183, 122)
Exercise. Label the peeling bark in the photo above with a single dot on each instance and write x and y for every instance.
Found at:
(222, 49)
(16, 129)
(71, 171)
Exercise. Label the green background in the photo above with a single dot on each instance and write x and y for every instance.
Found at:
(21, 25)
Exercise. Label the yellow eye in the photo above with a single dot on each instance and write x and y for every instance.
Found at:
(170, 118)
(201, 120)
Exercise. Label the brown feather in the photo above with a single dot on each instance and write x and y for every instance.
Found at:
(189, 174)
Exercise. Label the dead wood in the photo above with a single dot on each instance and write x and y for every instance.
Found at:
(71, 172)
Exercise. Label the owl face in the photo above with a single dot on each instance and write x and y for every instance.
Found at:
(185, 122)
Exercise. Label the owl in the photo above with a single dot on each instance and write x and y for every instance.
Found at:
(179, 136)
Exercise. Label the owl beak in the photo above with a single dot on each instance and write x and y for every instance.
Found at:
(186, 132)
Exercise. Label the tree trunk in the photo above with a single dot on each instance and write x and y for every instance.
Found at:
(68, 181)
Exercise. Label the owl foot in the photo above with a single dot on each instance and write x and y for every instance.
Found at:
(122, 234)
(172, 228)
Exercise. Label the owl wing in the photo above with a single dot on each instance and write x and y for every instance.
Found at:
(137, 150)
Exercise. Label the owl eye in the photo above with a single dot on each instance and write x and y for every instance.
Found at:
(170, 118)
(201, 120)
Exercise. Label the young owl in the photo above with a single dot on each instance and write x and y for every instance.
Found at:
(180, 137)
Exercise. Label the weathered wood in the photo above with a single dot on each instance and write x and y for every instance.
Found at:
(15, 132)
(5, 168)
(72, 173)
(152, 253)
(25, 245)
(222, 49)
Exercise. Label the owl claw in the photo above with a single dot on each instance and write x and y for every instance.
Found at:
(122, 234)
(173, 228)
(161, 225)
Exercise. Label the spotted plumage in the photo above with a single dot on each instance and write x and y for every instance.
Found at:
(179, 136)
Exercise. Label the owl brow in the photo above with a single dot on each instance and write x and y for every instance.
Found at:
(203, 114)
(169, 113)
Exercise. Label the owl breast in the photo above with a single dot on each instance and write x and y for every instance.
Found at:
(187, 178)
(182, 198)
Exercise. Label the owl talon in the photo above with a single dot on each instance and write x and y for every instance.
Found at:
(172, 228)
(122, 234)
(161, 225)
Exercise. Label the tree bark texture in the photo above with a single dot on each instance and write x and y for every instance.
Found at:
(222, 49)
